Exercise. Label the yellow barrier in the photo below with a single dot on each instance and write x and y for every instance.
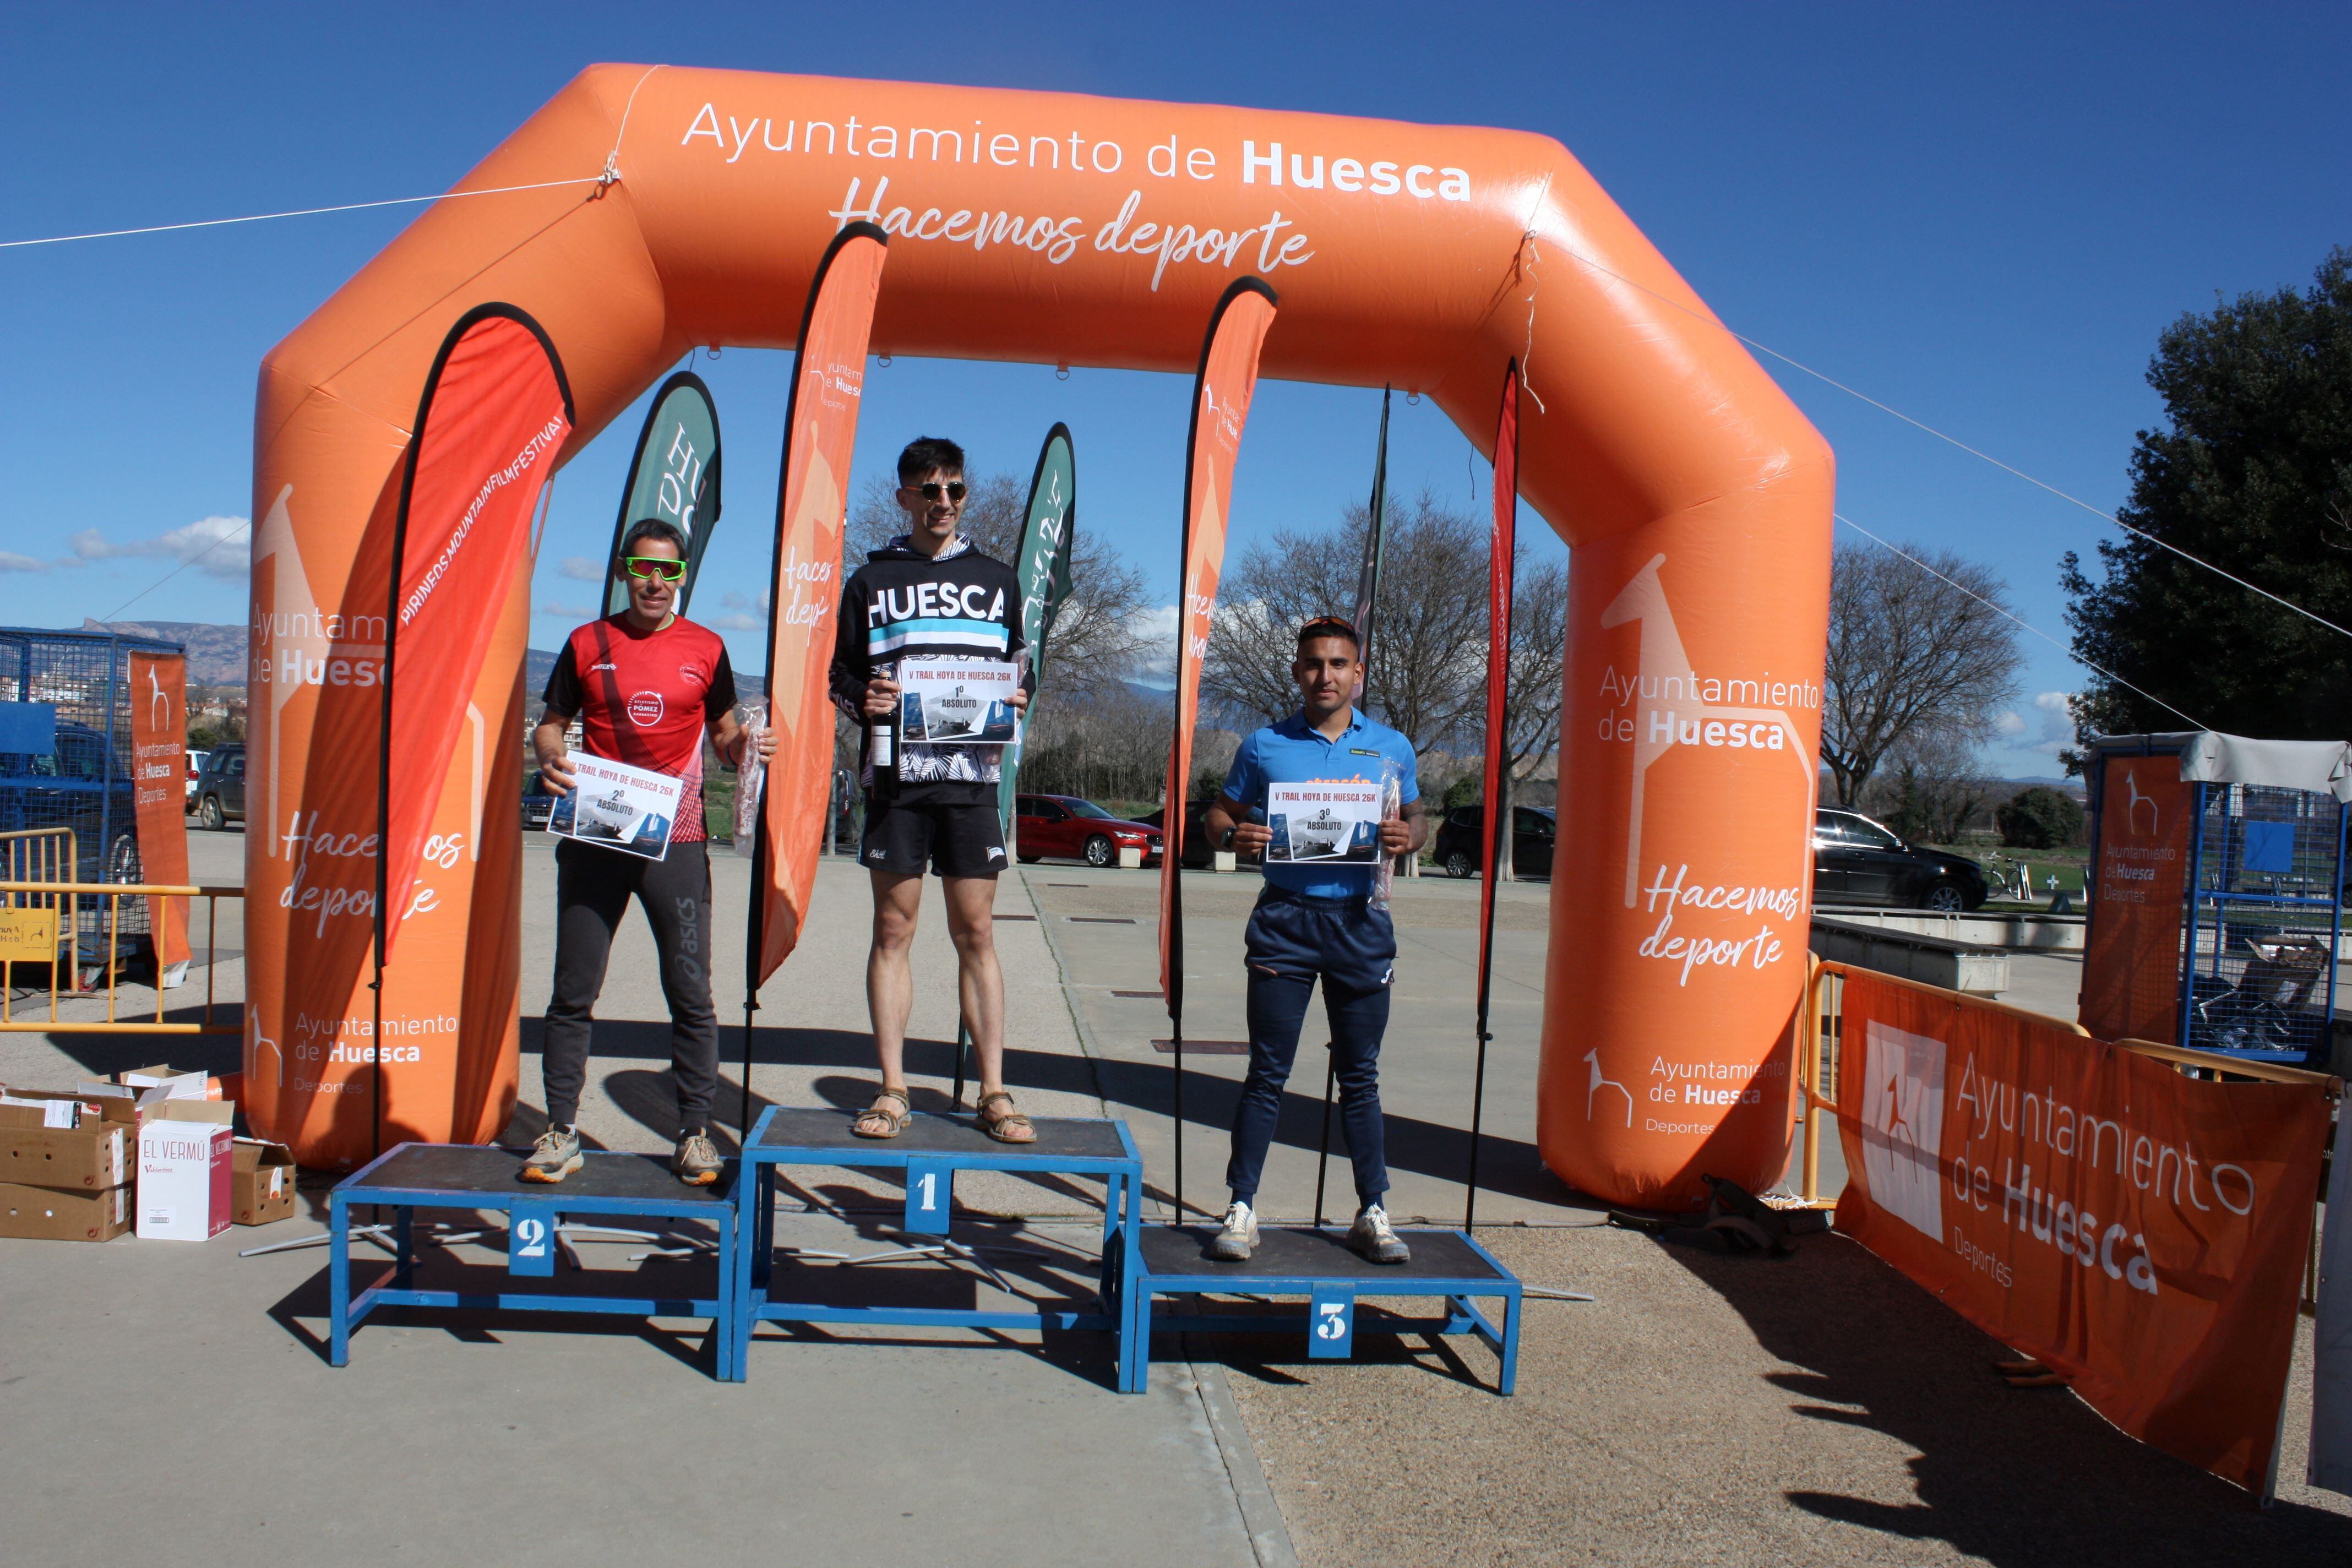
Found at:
(31, 932)
(1822, 1023)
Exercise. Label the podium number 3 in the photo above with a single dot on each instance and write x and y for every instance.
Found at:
(929, 1182)
(1332, 1323)
(530, 1236)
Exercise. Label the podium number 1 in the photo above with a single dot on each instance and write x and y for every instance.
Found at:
(930, 1194)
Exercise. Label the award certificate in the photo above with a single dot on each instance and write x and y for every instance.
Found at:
(616, 807)
(1330, 820)
(955, 702)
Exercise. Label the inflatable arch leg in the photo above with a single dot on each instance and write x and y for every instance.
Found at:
(1062, 229)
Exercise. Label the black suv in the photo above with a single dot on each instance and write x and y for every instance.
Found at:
(1461, 840)
(1858, 861)
(220, 789)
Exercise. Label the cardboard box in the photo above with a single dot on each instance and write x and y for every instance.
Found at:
(65, 1143)
(184, 1171)
(260, 1181)
(51, 1214)
(175, 1084)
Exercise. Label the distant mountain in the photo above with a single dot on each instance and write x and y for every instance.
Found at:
(216, 653)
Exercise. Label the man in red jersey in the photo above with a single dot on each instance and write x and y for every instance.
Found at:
(645, 686)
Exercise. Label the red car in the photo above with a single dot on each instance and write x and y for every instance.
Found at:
(1067, 827)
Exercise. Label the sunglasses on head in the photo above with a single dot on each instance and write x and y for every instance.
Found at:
(652, 567)
(954, 489)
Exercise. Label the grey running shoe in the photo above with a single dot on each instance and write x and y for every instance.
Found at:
(1237, 1238)
(697, 1162)
(555, 1156)
(1372, 1236)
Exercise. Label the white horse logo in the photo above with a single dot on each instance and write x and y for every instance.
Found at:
(1598, 1082)
(277, 1072)
(2131, 810)
(157, 701)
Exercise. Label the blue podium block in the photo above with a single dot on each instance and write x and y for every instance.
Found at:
(930, 1151)
(1449, 1265)
(480, 1178)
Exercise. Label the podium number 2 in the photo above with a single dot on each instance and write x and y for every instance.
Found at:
(929, 1182)
(530, 1236)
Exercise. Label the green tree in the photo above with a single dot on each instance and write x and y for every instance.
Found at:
(2251, 473)
(2039, 818)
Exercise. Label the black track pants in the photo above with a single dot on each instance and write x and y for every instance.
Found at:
(591, 891)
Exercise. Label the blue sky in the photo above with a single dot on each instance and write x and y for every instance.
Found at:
(1982, 216)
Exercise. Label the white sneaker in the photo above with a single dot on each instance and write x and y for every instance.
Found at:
(1372, 1236)
(1237, 1238)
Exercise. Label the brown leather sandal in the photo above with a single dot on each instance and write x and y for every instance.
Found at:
(1006, 1122)
(890, 1123)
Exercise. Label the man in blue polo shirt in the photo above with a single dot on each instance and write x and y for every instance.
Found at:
(1315, 918)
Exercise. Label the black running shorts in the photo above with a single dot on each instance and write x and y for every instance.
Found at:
(952, 840)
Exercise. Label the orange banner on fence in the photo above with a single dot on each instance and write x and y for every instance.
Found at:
(159, 767)
(2131, 962)
(2140, 1231)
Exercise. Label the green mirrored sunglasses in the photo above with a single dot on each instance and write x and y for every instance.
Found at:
(652, 567)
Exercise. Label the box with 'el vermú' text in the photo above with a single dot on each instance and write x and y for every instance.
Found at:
(184, 1170)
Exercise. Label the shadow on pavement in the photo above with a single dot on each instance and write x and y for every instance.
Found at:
(1507, 1166)
(2018, 1478)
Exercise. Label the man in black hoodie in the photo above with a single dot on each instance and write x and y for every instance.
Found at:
(929, 594)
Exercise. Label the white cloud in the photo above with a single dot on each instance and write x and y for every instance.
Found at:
(1155, 629)
(12, 561)
(2048, 730)
(218, 546)
(748, 612)
(580, 569)
(567, 612)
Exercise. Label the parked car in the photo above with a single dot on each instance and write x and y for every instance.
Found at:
(1858, 861)
(196, 771)
(1461, 840)
(220, 789)
(1065, 825)
(76, 785)
(538, 802)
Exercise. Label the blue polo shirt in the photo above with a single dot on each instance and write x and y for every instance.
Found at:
(1293, 752)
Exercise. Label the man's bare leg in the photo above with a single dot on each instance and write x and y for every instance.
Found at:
(980, 982)
(889, 977)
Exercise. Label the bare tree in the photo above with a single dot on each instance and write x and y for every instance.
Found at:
(1531, 703)
(1918, 656)
(1095, 643)
(1927, 789)
(1427, 673)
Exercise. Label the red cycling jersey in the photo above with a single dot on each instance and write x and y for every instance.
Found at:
(643, 697)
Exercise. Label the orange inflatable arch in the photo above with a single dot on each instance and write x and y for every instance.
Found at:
(1079, 231)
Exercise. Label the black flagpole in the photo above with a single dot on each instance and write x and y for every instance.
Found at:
(1367, 588)
(754, 933)
(1494, 830)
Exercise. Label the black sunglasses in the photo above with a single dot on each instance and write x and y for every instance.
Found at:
(954, 488)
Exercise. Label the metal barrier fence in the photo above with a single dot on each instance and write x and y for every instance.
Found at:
(1822, 1038)
(37, 918)
(77, 685)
